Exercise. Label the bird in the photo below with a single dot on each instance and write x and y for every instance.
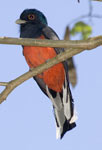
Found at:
(53, 82)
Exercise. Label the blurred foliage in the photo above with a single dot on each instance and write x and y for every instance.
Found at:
(71, 66)
(81, 28)
(85, 31)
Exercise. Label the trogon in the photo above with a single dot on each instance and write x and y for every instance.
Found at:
(54, 81)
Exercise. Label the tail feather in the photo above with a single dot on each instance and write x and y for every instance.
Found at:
(63, 110)
(66, 127)
(62, 124)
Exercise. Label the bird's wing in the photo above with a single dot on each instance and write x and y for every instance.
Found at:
(49, 33)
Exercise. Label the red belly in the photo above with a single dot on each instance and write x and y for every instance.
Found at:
(53, 77)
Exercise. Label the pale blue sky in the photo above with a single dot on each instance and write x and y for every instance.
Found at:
(26, 117)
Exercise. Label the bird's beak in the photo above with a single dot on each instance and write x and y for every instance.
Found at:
(19, 21)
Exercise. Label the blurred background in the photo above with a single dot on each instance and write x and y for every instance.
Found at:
(26, 117)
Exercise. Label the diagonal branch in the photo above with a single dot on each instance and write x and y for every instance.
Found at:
(59, 58)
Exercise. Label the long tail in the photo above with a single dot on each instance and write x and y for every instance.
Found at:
(64, 112)
(65, 117)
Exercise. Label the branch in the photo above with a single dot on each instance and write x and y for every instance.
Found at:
(77, 47)
(90, 43)
(3, 83)
(59, 58)
(97, 0)
(85, 16)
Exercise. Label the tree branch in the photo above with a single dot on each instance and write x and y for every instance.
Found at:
(97, 0)
(77, 47)
(90, 43)
(59, 58)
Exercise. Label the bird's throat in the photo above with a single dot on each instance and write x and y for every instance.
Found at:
(30, 30)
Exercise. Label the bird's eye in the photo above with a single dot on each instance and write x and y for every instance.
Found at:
(31, 16)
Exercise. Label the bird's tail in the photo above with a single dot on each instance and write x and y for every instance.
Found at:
(64, 111)
(65, 117)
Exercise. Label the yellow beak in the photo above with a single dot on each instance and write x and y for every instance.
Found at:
(19, 21)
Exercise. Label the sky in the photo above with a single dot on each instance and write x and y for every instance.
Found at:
(26, 117)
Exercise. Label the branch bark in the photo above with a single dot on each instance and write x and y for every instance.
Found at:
(76, 47)
(90, 43)
(16, 82)
(3, 83)
(97, 0)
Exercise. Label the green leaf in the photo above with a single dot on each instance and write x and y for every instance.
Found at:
(82, 28)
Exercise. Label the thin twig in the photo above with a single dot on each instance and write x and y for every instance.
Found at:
(97, 0)
(83, 17)
(90, 8)
(3, 83)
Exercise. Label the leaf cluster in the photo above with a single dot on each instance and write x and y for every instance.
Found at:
(83, 29)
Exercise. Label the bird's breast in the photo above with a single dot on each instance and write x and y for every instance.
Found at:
(53, 77)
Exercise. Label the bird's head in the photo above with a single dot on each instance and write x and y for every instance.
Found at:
(31, 23)
(32, 16)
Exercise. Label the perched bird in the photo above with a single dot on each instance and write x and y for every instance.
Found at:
(54, 81)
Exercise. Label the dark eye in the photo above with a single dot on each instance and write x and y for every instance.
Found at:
(31, 16)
